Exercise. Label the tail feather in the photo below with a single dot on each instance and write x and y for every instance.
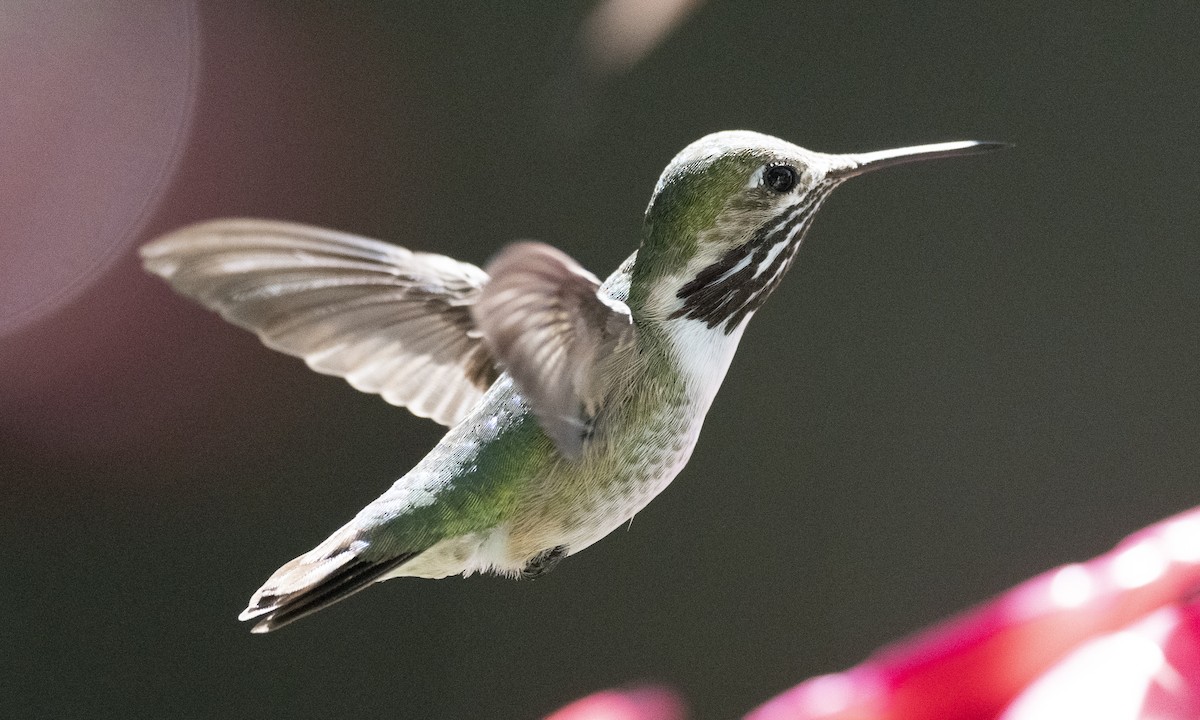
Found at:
(303, 586)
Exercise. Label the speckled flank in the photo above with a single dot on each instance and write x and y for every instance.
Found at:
(503, 496)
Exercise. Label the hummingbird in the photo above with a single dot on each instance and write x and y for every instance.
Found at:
(571, 403)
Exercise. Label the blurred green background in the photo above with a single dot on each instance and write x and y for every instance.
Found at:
(977, 369)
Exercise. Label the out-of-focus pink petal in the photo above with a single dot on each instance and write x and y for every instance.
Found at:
(1175, 692)
(1105, 678)
(972, 667)
(650, 703)
(1148, 671)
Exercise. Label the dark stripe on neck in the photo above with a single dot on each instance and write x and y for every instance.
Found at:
(724, 293)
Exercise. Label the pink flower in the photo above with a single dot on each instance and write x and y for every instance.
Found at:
(1115, 638)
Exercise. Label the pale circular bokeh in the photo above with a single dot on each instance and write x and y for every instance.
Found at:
(97, 105)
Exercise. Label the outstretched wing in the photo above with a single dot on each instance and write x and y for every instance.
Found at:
(546, 323)
(390, 321)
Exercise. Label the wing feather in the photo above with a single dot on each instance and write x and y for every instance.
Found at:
(543, 318)
(391, 321)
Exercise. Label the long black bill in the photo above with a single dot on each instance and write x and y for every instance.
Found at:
(848, 166)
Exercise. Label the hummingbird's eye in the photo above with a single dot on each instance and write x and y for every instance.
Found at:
(780, 178)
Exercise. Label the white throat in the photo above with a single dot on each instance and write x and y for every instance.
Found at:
(703, 355)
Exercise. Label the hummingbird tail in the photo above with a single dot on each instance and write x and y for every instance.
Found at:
(307, 584)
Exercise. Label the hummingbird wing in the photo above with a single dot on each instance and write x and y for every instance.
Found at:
(546, 322)
(390, 321)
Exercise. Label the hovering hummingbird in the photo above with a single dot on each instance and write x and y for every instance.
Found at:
(571, 403)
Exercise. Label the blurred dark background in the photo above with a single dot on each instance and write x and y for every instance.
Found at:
(977, 370)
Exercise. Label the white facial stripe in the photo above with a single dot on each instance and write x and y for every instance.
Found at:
(783, 244)
(736, 268)
(772, 254)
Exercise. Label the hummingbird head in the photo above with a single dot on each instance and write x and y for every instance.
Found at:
(728, 214)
